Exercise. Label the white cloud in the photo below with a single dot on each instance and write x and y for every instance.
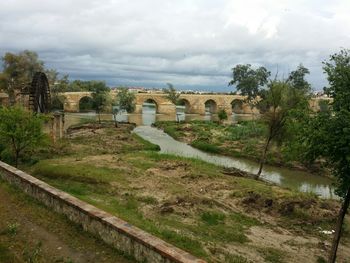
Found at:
(187, 42)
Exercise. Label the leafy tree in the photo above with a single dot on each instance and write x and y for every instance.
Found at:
(328, 134)
(338, 72)
(222, 114)
(18, 71)
(249, 81)
(57, 101)
(80, 85)
(297, 79)
(125, 100)
(280, 106)
(172, 95)
(20, 130)
(100, 98)
(57, 86)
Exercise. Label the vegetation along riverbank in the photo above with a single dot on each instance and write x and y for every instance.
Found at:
(189, 203)
(244, 139)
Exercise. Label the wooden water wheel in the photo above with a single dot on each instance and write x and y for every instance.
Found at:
(39, 93)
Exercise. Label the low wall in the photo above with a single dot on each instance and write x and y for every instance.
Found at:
(114, 231)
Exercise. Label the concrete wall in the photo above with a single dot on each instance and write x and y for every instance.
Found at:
(112, 230)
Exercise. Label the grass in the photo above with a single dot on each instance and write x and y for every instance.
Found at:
(5, 254)
(212, 218)
(147, 146)
(235, 259)
(12, 228)
(272, 255)
(83, 173)
(205, 146)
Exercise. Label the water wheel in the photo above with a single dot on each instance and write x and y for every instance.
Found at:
(39, 93)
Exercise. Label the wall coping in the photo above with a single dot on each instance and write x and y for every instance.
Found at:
(159, 246)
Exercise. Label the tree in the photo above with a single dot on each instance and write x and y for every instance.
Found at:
(172, 95)
(249, 81)
(222, 114)
(125, 100)
(297, 79)
(280, 105)
(328, 134)
(99, 98)
(18, 71)
(80, 85)
(57, 86)
(20, 130)
(338, 71)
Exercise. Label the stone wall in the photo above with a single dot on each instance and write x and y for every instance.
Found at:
(112, 230)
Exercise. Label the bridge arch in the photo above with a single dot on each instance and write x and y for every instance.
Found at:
(149, 101)
(85, 104)
(211, 106)
(237, 106)
(186, 103)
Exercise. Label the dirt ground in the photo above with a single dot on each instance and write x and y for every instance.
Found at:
(30, 232)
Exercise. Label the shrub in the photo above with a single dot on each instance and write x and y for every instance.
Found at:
(20, 130)
(204, 146)
(222, 115)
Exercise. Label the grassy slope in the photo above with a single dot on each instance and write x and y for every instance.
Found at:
(187, 202)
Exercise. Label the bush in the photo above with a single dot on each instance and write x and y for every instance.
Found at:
(20, 131)
(204, 146)
(222, 115)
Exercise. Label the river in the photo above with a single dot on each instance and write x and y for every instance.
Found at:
(293, 179)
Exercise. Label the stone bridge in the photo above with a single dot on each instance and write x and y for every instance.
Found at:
(194, 103)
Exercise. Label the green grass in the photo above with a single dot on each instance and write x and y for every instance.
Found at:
(83, 173)
(147, 200)
(235, 259)
(171, 131)
(147, 146)
(212, 218)
(205, 146)
(272, 255)
(6, 255)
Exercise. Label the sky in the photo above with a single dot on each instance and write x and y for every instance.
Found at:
(192, 44)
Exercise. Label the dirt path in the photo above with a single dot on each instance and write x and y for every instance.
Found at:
(29, 232)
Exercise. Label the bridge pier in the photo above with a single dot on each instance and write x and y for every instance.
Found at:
(166, 108)
(227, 108)
(197, 109)
(71, 106)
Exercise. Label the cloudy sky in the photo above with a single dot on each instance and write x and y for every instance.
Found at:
(190, 43)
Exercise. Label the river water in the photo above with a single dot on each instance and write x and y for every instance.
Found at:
(293, 179)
